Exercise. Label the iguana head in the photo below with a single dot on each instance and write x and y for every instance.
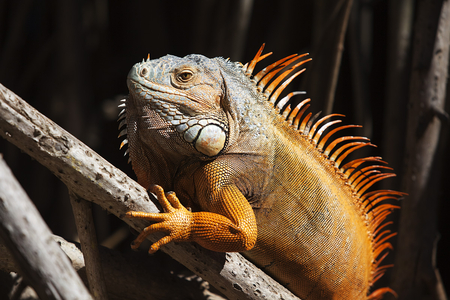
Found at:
(203, 104)
(200, 107)
(185, 96)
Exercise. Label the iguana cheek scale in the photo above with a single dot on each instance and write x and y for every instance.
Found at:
(261, 175)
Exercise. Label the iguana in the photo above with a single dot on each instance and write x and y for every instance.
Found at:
(256, 174)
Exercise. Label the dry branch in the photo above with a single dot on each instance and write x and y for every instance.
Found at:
(84, 220)
(401, 15)
(94, 179)
(415, 273)
(41, 261)
(129, 275)
(327, 52)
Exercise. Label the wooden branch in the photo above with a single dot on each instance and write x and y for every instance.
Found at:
(91, 177)
(84, 220)
(41, 261)
(415, 274)
(338, 49)
(399, 34)
(331, 26)
(241, 24)
(130, 276)
(358, 49)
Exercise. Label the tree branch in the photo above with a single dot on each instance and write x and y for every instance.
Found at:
(84, 220)
(414, 274)
(327, 52)
(91, 177)
(129, 276)
(41, 261)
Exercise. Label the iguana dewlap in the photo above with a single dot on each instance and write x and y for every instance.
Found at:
(262, 176)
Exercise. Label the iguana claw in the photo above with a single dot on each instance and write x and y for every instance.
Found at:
(176, 220)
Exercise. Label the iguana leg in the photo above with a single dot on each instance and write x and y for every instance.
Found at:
(231, 231)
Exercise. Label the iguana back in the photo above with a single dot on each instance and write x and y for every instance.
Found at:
(261, 175)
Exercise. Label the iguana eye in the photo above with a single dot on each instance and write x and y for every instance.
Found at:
(185, 75)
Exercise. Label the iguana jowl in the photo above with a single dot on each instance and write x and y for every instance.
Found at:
(262, 177)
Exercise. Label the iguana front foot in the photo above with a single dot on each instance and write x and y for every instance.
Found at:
(233, 231)
(176, 220)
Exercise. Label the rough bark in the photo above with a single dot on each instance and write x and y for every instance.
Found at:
(332, 20)
(415, 275)
(41, 261)
(401, 15)
(92, 178)
(84, 220)
(130, 276)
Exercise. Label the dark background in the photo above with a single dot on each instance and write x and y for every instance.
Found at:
(70, 59)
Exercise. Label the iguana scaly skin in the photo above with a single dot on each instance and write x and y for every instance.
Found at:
(261, 176)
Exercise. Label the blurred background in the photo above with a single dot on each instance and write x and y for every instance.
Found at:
(69, 59)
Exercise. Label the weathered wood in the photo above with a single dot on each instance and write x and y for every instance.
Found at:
(331, 27)
(401, 15)
(415, 274)
(84, 220)
(42, 263)
(130, 276)
(91, 177)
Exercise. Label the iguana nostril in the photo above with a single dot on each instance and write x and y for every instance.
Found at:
(144, 72)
